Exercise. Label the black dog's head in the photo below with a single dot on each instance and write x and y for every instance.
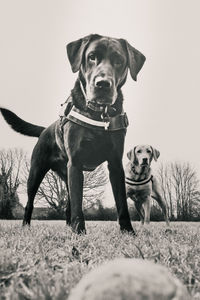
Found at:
(103, 63)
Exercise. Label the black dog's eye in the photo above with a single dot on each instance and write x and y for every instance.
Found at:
(139, 151)
(92, 56)
(148, 151)
(118, 62)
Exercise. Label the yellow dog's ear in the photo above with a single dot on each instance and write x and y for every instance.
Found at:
(156, 153)
(131, 156)
(76, 49)
(135, 60)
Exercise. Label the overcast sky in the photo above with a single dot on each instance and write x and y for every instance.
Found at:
(162, 106)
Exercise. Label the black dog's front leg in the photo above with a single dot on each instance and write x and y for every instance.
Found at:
(117, 180)
(75, 185)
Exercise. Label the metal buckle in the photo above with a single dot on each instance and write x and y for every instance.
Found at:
(105, 117)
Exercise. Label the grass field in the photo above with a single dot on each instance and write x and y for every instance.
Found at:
(46, 260)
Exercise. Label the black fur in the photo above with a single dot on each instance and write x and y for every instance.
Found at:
(20, 125)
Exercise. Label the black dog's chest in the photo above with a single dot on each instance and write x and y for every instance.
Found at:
(93, 151)
(88, 148)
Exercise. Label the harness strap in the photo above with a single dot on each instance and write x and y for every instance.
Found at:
(132, 182)
(74, 115)
(82, 90)
(118, 122)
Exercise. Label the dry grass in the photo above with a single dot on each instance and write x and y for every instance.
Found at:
(46, 260)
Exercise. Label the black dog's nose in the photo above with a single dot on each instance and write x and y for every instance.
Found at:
(102, 84)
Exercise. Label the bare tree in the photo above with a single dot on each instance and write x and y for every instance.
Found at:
(165, 178)
(94, 187)
(11, 162)
(53, 190)
(185, 184)
(180, 188)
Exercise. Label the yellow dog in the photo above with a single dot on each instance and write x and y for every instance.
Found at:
(140, 183)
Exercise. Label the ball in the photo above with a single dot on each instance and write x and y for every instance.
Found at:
(128, 279)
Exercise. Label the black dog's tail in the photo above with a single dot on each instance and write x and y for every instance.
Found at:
(20, 125)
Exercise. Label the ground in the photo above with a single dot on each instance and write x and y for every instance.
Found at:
(46, 260)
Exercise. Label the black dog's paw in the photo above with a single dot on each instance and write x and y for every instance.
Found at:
(75, 253)
(168, 231)
(128, 229)
(78, 226)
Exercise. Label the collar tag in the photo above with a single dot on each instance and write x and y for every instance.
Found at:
(106, 125)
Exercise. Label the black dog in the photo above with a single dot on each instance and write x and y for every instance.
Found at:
(92, 128)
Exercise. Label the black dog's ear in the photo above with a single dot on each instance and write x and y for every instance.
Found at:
(76, 49)
(156, 153)
(131, 156)
(135, 60)
(75, 52)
